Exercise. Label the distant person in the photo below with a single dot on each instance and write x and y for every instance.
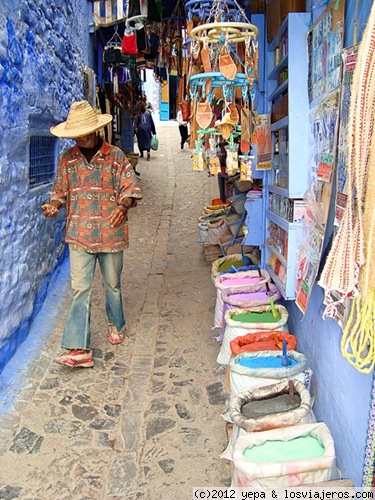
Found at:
(147, 103)
(182, 127)
(97, 185)
(144, 129)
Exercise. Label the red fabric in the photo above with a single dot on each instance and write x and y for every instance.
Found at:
(129, 44)
(185, 110)
(262, 341)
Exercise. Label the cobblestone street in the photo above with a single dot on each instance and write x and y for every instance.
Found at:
(145, 421)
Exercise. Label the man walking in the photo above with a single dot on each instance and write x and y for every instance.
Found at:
(97, 185)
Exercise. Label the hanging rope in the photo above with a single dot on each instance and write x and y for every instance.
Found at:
(347, 270)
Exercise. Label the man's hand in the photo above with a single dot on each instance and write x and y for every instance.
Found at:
(118, 216)
(50, 210)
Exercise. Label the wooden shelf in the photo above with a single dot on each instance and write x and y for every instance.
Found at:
(281, 257)
(283, 223)
(280, 285)
(278, 190)
(284, 122)
(277, 69)
(279, 90)
(292, 132)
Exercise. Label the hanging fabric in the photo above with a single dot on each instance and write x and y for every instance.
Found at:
(154, 11)
(134, 9)
(347, 270)
(141, 40)
(245, 130)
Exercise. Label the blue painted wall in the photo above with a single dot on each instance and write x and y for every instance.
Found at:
(41, 56)
(342, 393)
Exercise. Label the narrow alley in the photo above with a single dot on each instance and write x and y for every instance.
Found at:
(145, 421)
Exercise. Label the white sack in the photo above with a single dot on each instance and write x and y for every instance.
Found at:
(223, 283)
(235, 329)
(260, 476)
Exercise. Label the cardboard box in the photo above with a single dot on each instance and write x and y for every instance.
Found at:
(297, 210)
(211, 252)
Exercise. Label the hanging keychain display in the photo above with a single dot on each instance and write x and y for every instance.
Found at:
(246, 167)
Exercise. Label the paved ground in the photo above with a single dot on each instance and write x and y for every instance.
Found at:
(145, 421)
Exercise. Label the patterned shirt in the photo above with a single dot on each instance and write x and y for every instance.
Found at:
(91, 191)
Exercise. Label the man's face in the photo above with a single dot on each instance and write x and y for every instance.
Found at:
(87, 141)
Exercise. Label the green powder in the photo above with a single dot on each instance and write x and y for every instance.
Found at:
(283, 451)
(255, 317)
(227, 265)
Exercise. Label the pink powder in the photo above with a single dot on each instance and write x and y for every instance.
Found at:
(242, 281)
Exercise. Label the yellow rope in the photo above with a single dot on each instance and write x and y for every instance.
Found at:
(358, 340)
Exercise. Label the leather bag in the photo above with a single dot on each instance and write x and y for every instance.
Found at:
(204, 114)
(227, 66)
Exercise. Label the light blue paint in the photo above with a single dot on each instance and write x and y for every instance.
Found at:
(41, 58)
(342, 393)
(15, 374)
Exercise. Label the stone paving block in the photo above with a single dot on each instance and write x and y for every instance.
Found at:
(122, 475)
(146, 336)
(142, 366)
(135, 395)
(145, 421)
(155, 284)
(131, 427)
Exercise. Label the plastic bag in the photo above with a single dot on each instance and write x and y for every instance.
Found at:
(154, 142)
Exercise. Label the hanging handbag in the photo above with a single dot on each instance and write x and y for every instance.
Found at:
(204, 114)
(205, 55)
(129, 42)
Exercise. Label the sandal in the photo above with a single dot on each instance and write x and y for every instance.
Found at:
(115, 337)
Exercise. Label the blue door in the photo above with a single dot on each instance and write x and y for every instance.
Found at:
(164, 101)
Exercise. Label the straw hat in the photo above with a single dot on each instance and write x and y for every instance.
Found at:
(82, 120)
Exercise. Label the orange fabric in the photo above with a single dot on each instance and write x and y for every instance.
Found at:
(270, 340)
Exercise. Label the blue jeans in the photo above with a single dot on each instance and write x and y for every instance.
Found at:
(82, 268)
